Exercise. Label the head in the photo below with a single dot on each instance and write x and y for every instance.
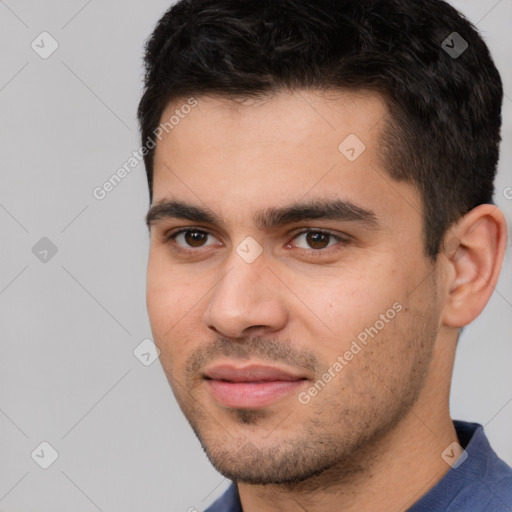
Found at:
(321, 181)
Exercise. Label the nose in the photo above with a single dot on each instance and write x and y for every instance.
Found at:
(247, 300)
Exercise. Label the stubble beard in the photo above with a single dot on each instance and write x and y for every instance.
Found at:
(317, 455)
(327, 447)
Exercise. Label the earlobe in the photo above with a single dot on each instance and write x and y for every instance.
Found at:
(474, 252)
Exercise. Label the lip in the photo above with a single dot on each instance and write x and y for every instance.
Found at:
(250, 373)
(251, 386)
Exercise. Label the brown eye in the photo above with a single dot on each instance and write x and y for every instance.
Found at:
(190, 238)
(195, 238)
(317, 239)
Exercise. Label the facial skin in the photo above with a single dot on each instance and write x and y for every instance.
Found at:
(381, 421)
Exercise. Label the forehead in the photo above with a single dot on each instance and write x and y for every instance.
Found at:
(285, 147)
(295, 117)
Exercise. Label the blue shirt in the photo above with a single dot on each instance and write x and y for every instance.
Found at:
(482, 483)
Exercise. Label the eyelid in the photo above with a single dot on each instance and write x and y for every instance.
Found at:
(168, 236)
(342, 239)
(319, 230)
(171, 233)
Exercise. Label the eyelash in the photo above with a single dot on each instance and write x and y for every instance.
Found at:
(343, 241)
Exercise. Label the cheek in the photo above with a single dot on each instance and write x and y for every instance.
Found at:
(351, 299)
(159, 295)
(163, 289)
(360, 305)
(165, 302)
(168, 331)
(173, 304)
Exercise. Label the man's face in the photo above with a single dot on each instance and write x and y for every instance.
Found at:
(292, 337)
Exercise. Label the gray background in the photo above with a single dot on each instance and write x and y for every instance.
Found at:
(69, 325)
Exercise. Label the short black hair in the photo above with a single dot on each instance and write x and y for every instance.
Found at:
(444, 99)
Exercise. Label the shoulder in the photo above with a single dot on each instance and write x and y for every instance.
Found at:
(490, 476)
(481, 482)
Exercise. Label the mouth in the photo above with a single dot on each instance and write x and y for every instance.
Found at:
(252, 386)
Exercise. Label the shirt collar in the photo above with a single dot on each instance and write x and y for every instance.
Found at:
(480, 459)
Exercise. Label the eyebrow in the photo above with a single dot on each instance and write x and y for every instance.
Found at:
(272, 217)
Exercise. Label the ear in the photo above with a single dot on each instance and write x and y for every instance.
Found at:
(474, 249)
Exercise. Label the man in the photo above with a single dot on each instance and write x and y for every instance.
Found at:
(322, 227)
